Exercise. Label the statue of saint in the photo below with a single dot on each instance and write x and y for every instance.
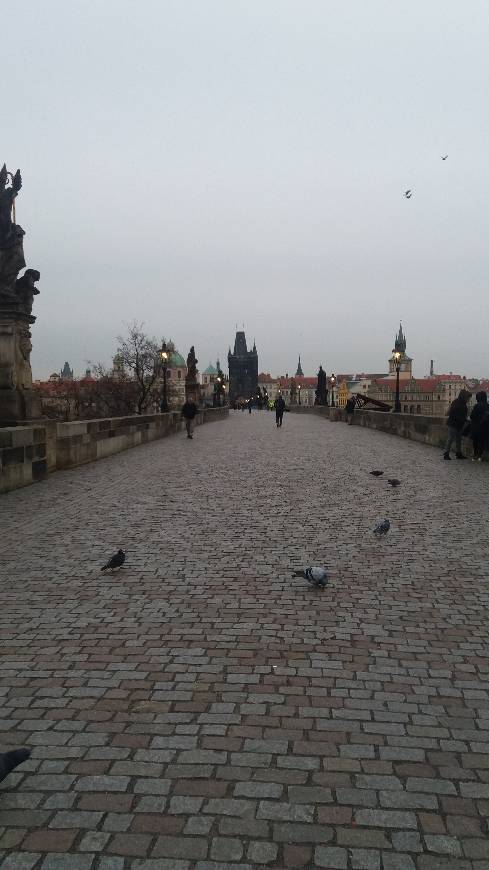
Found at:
(191, 367)
(11, 245)
(26, 289)
(321, 390)
(10, 233)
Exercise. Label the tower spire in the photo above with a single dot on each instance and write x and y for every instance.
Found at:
(299, 373)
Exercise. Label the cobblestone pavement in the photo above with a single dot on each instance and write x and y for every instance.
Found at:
(202, 709)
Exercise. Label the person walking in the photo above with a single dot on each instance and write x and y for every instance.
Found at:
(479, 425)
(189, 412)
(350, 410)
(279, 410)
(457, 418)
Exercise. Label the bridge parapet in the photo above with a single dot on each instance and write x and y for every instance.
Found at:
(29, 453)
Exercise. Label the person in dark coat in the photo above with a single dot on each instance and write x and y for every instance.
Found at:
(279, 410)
(189, 412)
(479, 425)
(350, 410)
(457, 418)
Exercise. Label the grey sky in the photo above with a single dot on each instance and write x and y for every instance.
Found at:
(194, 164)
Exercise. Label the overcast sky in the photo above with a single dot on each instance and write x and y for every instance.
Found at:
(194, 164)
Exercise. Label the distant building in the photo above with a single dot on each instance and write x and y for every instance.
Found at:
(299, 373)
(207, 383)
(243, 370)
(176, 374)
(66, 372)
(405, 362)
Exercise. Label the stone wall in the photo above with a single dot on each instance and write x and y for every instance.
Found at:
(29, 453)
(416, 427)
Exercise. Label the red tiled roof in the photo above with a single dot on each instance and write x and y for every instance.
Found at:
(265, 378)
(426, 385)
(299, 381)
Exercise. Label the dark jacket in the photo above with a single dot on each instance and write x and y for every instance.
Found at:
(280, 405)
(479, 417)
(457, 414)
(189, 410)
(350, 406)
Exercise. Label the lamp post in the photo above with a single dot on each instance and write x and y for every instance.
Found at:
(397, 359)
(165, 358)
(299, 389)
(332, 381)
(218, 390)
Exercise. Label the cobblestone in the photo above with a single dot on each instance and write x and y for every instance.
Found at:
(203, 708)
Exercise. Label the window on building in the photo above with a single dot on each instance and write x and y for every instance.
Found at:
(418, 409)
(179, 375)
(405, 409)
(411, 409)
(168, 374)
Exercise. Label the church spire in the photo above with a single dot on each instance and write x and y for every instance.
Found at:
(400, 342)
(299, 373)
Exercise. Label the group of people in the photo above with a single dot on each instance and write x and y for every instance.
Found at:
(476, 426)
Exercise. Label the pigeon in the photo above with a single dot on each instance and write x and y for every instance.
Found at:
(382, 528)
(376, 473)
(316, 576)
(408, 194)
(10, 760)
(445, 157)
(393, 481)
(115, 561)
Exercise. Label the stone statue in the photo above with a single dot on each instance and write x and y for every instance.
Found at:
(321, 390)
(10, 233)
(18, 401)
(192, 388)
(26, 289)
(192, 366)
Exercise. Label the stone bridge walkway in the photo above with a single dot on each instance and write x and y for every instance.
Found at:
(202, 709)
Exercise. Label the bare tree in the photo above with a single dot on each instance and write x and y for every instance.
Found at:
(140, 356)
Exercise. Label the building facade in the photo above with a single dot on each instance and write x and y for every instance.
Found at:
(243, 370)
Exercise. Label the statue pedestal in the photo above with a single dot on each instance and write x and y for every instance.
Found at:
(18, 401)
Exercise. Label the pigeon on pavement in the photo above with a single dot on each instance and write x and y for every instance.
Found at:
(10, 760)
(376, 473)
(382, 529)
(316, 576)
(115, 561)
(393, 481)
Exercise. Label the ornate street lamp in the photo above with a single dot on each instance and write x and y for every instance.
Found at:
(299, 389)
(397, 359)
(165, 359)
(332, 381)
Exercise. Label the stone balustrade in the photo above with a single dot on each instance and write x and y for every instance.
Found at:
(416, 427)
(29, 453)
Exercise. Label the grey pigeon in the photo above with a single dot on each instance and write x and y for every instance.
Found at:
(115, 561)
(393, 481)
(316, 576)
(382, 529)
(408, 194)
(376, 473)
(10, 760)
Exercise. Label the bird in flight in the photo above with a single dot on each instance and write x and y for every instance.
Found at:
(445, 157)
(408, 194)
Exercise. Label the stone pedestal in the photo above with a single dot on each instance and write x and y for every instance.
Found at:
(18, 401)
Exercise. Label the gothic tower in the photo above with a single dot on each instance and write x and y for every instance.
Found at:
(299, 373)
(243, 370)
(406, 363)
